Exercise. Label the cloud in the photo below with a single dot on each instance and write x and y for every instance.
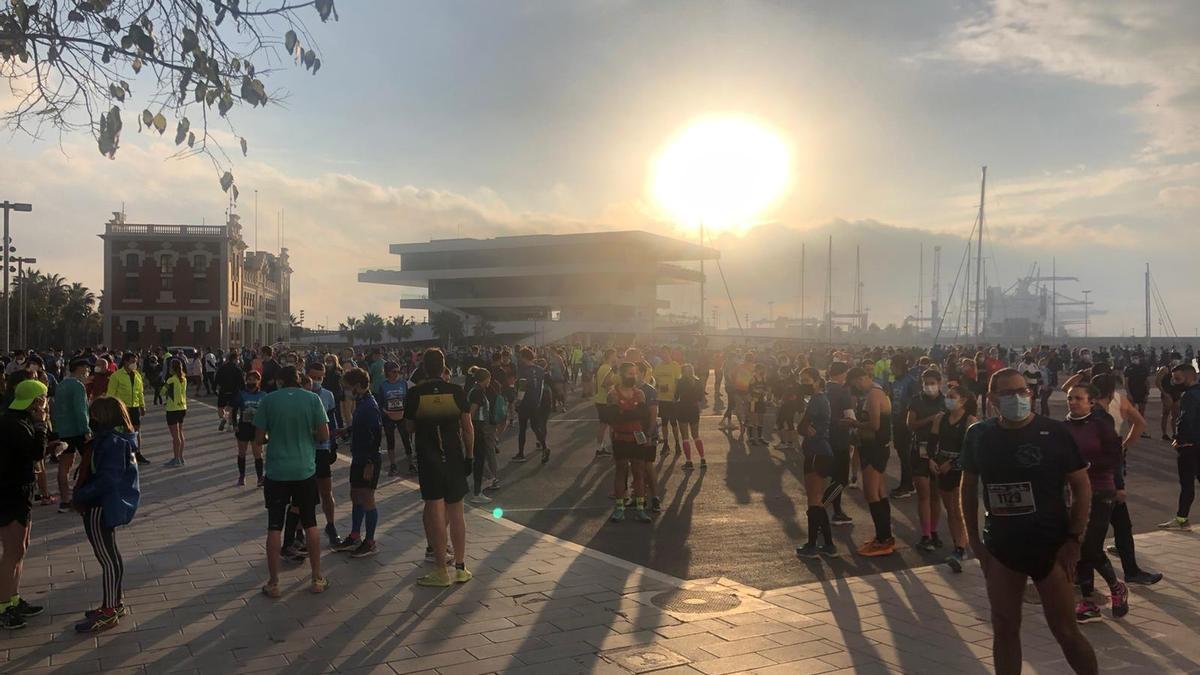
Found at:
(1147, 46)
(1180, 196)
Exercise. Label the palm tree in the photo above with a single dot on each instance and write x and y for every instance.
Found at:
(448, 326)
(400, 328)
(352, 326)
(371, 327)
(483, 328)
(77, 311)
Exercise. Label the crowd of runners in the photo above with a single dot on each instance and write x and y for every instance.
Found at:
(967, 426)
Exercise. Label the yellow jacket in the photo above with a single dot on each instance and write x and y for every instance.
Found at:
(175, 392)
(131, 393)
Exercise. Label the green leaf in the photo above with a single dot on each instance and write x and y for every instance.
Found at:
(147, 118)
(290, 41)
(116, 91)
(160, 123)
(74, 15)
(316, 66)
(110, 24)
(181, 130)
(137, 65)
(226, 181)
(243, 146)
(309, 57)
(191, 139)
(325, 9)
(189, 41)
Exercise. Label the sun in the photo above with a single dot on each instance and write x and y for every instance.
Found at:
(721, 171)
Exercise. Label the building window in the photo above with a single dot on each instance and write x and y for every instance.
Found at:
(198, 265)
(165, 337)
(131, 260)
(164, 263)
(131, 286)
(197, 329)
(166, 282)
(131, 333)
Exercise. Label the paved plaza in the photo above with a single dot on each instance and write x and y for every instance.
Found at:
(538, 604)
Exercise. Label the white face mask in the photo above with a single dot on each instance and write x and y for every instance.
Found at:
(932, 390)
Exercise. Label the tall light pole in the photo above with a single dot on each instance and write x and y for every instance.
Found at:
(702, 280)
(1086, 303)
(22, 208)
(23, 327)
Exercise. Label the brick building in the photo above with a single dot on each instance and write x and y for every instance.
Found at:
(191, 285)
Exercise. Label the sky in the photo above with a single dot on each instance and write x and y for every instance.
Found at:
(477, 118)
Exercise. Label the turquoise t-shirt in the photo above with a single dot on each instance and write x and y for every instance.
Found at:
(290, 416)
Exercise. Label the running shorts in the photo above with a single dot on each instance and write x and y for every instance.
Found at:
(174, 417)
(920, 465)
(135, 417)
(245, 432)
(445, 480)
(224, 399)
(822, 465)
(17, 507)
(364, 473)
(685, 414)
(1036, 560)
(602, 412)
(666, 411)
(325, 460)
(280, 494)
(74, 444)
(873, 455)
(949, 481)
(633, 451)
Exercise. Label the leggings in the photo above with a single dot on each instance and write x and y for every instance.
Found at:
(1123, 533)
(1188, 462)
(485, 454)
(1092, 557)
(536, 418)
(390, 427)
(104, 546)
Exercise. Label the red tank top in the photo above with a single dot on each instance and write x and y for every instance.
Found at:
(626, 425)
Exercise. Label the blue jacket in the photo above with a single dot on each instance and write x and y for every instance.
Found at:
(113, 485)
(366, 429)
(1187, 429)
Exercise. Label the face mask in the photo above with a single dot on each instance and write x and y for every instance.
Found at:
(1015, 408)
(953, 404)
(629, 381)
(932, 390)
(808, 389)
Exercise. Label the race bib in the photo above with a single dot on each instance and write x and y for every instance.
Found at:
(248, 413)
(923, 449)
(395, 401)
(1011, 499)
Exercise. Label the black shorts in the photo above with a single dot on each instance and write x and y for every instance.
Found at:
(74, 444)
(325, 460)
(18, 507)
(601, 412)
(175, 417)
(245, 432)
(666, 411)
(224, 399)
(364, 473)
(687, 414)
(919, 464)
(949, 481)
(135, 417)
(822, 465)
(632, 451)
(280, 494)
(1035, 560)
(873, 455)
(1139, 398)
(445, 480)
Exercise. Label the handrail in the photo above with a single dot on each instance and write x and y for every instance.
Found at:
(176, 230)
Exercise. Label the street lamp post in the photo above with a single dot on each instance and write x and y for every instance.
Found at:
(1086, 304)
(23, 325)
(21, 208)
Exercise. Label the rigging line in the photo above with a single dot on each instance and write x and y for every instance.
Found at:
(957, 275)
(1162, 305)
(728, 295)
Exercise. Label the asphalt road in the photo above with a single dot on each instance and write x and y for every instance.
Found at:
(744, 516)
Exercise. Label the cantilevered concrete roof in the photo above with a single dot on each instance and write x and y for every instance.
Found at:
(665, 248)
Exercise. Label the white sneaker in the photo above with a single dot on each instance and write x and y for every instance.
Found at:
(481, 499)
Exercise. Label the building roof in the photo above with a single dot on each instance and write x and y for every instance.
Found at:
(664, 248)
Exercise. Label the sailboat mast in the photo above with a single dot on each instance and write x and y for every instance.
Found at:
(979, 254)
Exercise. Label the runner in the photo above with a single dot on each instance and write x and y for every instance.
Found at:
(1100, 447)
(873, 434)
(757, 395)
(245, 404)
(70, 418)
(176, 395)
(1024, 462)
(533, 406)
(666, 378)
(606, 378)
(818, 464)
(923, 411)
(480, 400)
(1186, 444)
(326, 452)
(390, 395)
(23, 428)
(948, 432)
(689, 398)
(126, 386)
(295, 421)
(630, 415)
(107, 498)
(1137, 382)
(650, 391)
(439, 418)
(229, 381)
(905, 386)
(366, 432)
(1169, 393)
(841, 405)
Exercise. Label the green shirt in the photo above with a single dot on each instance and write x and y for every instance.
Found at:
(290, 416)
(70, 412)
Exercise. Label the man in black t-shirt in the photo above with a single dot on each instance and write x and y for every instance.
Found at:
(1025, 462)
(438, 416)
(923, 409)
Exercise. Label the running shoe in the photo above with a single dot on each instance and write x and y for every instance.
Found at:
(853, 483)
(319, 585)
(462, 575)
(103, 620)
(64, 507)
(173, 463)
(936, 541)
(1144, 578)
(873, 549)
(840, 518)
(1176, 523)
(688, 466)
(808, 550)
(292, 554)
(1166, 437)
(480, 499)
(926, 544)
(221, 426)
(618, 514)
(352, 543)
(703, 463)
(1120, 600)
(122, 610)
(11, 619)
(364, 550)
(520, 457)
(241, 481)
(27, 610)
(1112, 549)
(412, 469)
(1087, 612)
(954, 561)
(495, 485)
(332, 533)
(902, 492)
(656, 504)
(393, 471)
(545, 454)
(829, 550)
(49, 500)
(642, 517)
(436, 579)
(261, 481)
(141, 459)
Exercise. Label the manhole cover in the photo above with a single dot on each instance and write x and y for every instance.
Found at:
(645, 658)
(695, 602)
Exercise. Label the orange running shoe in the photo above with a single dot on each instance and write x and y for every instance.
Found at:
(873, 549)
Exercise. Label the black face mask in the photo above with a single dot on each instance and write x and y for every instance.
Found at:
(629, 381)
(808, 389)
